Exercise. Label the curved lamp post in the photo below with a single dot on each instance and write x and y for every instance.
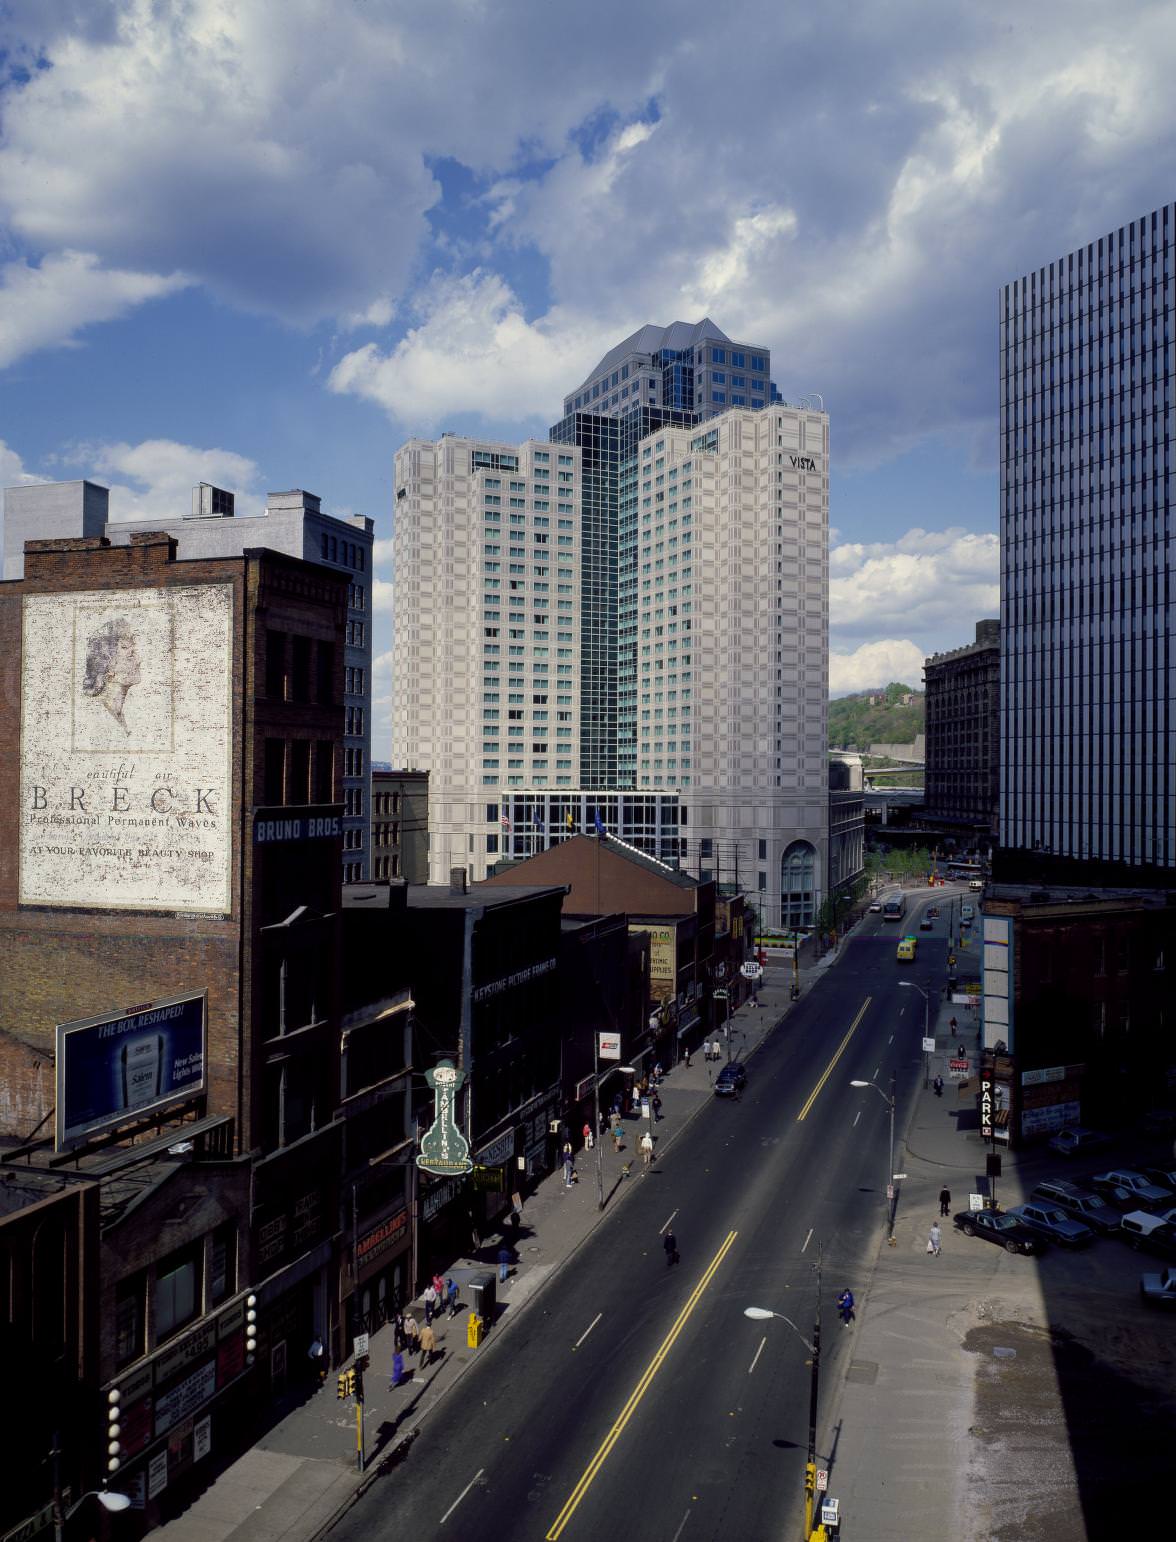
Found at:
(889, 1101)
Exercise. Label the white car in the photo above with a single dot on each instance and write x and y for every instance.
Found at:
(875, 907)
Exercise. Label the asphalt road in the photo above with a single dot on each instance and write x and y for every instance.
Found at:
(636, 1398)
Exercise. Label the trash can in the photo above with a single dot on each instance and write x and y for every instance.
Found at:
(481, 1289)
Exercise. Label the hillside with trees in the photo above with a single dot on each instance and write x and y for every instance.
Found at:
(876, 717)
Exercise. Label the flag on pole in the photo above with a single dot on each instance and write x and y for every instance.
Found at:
(538, 821)
(568, 821)
(504, 822)
(599, 823)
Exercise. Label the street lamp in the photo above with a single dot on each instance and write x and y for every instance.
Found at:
(107, 1498)
(890, 1166)
(909, 985)
(761, 1314)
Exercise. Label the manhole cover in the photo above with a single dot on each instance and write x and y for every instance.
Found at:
(1000, 1353)
(864, 1371)
(533, 1250)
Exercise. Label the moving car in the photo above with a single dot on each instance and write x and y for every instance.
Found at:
(1004, 1230)
(876, 907)
(730, 1080)
(1159, 1289)
(1078, 1139)
(905, 953)
(1049, 1221)
(975, 883)
(1092, 1209)
(1142, 1230)
(925, 925)
(933, 912)
(1149, 1195)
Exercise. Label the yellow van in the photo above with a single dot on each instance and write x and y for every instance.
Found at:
(906, 950)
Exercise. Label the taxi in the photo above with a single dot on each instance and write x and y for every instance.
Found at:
(907, 947)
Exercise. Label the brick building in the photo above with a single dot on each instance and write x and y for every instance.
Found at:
(170, 865)
(400, 825)
(962, 778)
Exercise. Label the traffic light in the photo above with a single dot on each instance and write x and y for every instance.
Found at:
(810, 1479)
(345, 1385)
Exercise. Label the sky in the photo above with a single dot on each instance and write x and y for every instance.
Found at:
(262, 242)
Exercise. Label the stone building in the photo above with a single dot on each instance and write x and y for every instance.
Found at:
(962, 777)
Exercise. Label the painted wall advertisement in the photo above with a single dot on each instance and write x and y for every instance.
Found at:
(119, 1066)
(663, 955)
(126, 749)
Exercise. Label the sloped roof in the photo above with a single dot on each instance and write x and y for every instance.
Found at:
(649, 339)
(611, 847)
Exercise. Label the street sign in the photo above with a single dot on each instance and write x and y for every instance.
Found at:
(610, 1046)
(719, 995)
(822, 1480)
(750, 971)
(361, 1344)
(928, 1046)
(890, 1191)
(957, 1065)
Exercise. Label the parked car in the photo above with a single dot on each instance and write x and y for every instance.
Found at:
(1114, 1194)
(1004, 1230)
(1149, 1195)
(1077, 1140)
(1142, 1230)
(1049, 1221)
(1092, 1209)
(1159, 1289)
(730, 1080)
(1164, 1177)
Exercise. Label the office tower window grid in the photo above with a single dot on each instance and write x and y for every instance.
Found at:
(1088, 731)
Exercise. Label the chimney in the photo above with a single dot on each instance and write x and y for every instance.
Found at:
(457, 881)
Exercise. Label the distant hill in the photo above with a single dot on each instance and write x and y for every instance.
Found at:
(876, 717)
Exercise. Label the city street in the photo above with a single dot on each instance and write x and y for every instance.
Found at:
(639, 1396)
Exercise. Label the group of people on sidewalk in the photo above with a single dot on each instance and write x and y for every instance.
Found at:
(410, 1337)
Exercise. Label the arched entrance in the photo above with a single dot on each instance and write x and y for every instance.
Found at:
(798, 867)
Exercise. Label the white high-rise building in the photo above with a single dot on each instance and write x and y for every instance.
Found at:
(486, 633)
(731, 651)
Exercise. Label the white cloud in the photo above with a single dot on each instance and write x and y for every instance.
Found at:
(875, 664)
(474, 351)
(382, 551)
(383, 594)
(932, 582)
(161, 475)
(44, 306)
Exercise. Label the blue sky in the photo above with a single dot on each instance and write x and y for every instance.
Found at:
(261, 244)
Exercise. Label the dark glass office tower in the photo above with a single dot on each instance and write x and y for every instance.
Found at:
(1088, 564)
(676, 375)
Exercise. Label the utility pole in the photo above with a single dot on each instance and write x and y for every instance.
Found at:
(810, 1470)
(596, 1132)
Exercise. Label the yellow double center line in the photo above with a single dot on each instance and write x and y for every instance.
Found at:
(637, 1394)
(812, 1097)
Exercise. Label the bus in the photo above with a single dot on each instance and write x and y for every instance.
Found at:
(894, 907)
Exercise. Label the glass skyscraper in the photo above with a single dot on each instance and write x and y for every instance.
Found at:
(673, 376)
(1088, 582)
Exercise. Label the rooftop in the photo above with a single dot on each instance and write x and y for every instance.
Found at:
(651, 339)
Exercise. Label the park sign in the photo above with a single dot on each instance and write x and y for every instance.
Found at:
(444, 1149)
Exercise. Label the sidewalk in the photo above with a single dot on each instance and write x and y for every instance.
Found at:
(302, 1473)
(896, 1425)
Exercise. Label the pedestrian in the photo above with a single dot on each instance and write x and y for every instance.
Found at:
(397, 1370)
(845, 1306)
(938, 1085)
(398, 1338)
(953, 1025)
(647, 1148)
(589, 1138)
(961, 1052)
(670, 1243)
(451, 1296)
(503, 1263)
(411, 1332)
(439, 1287)
(618, 1136)
(604, 1122)
(569, 1168)
(944, 1200)
(688, 1054)
(656, 1106)
(635, 1105)
(428, 1345)
(933, 1239)
(430, 1300)
(658, 1073)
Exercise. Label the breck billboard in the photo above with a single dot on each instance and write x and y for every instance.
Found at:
(119, 1066)
(126, 747)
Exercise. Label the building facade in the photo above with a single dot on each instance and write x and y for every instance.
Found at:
(400, 825)
(1088, 653)
(962, 775)
(294, 524)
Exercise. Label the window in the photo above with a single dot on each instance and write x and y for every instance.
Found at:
(275, 664)
(274, 772)
(763, 851)
(177, 1292)
(300, 669)
(130, 1319)
(222, 1273)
